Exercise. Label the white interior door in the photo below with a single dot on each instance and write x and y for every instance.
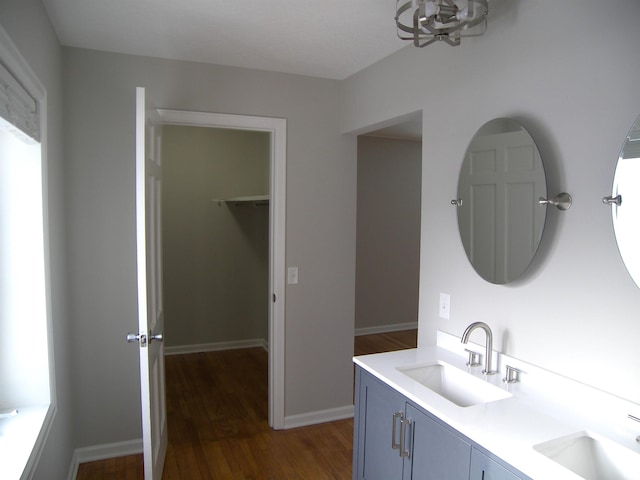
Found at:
(149, 266)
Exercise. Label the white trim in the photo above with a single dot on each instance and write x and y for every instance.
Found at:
(321, 416)
(73, 467)
(396, 327)
(277, 127)
(216, 347)
(38, 447)
(102, 452)
(218, 120)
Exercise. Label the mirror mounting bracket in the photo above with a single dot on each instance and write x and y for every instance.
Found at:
(562, 201)
(609, 200)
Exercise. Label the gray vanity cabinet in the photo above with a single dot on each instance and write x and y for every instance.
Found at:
(484, 468)
(437, 453)
(395, 440)
(377, 421)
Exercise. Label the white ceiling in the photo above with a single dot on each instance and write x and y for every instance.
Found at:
(321, 38)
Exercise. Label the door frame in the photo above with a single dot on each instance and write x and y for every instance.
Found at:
(277, 128)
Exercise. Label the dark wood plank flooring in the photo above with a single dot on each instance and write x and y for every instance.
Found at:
(385, 342)
(217, 422)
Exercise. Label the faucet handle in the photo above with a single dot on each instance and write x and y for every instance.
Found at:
(474, 358)
(512, 375)
(635, 419)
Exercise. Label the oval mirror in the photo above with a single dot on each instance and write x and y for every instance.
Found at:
(626, 215)
(499, 218)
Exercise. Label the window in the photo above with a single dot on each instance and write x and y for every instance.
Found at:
(27, 394)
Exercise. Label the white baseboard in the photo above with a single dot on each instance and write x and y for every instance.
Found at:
(102, 452)
(322, 416)
(396, 327)
(214, 347)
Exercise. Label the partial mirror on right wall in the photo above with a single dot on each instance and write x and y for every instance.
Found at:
(625, 202)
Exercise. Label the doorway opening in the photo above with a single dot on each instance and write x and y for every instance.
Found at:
(215, 238)
(272, 132)
(388, 227)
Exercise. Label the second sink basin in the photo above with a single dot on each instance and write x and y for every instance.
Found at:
(459, 387)
(592, 458)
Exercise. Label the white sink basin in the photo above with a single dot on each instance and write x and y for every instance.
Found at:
(457, 386)
(592, 458)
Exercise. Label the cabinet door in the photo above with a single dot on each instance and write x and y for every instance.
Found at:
(483, 468)
(438, 453)
(377, 403)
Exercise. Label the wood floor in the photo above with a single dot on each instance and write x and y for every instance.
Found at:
(385, 342)
(217, 423)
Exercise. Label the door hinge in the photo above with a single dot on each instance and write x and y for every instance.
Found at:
(274, 298)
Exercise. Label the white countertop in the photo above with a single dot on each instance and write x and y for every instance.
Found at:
(509, 428)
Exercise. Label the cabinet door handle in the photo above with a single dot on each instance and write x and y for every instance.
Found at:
(394, 445)
(405, 429)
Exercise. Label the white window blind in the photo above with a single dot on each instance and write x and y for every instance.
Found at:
(17, 106)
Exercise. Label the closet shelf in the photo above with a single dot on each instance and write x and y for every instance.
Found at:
(248, 201)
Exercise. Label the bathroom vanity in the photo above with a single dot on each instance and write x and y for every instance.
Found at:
(398, 439)
(423, 414)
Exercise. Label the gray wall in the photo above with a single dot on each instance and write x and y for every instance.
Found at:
(29, 27)
(321, 172)
(215, 256)
(567, 71)
(388, 232)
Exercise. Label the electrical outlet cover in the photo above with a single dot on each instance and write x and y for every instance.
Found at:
(445, 306)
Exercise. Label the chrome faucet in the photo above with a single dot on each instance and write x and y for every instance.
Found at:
(487, 358)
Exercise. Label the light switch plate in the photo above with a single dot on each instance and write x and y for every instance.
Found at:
(445, 306)
(292, 275)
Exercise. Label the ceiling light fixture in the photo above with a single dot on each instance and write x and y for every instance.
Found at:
(427, 21)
